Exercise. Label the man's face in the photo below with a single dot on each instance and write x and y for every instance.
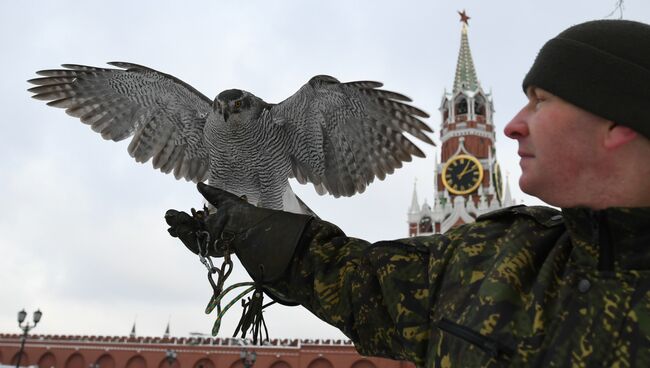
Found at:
(558, 146)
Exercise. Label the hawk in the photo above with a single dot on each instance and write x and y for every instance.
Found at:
(337, 136)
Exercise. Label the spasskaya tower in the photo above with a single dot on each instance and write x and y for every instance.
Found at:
(468, 179)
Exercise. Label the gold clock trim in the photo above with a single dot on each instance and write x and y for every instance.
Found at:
(473, 187)
(496, 175)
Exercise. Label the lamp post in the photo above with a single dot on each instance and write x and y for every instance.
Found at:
(170, 355)
(247, 358)
(26, 328)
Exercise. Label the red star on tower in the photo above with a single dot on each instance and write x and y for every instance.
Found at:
(464, 17)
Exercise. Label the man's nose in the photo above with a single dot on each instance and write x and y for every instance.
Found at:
(518, 126)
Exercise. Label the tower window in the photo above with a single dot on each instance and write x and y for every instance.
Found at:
(479, 106)
(461, 106)
(426, 225)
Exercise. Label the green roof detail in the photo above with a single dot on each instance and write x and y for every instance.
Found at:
(465, 79)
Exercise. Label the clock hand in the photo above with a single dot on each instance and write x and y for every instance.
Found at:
(464, 170)
(472, 170)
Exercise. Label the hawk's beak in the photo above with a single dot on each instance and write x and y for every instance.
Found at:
(223, 110)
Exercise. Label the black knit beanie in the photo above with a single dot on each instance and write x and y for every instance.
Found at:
(602, 66)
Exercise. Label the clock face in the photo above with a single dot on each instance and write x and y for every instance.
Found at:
(497, 180)
(462, 174)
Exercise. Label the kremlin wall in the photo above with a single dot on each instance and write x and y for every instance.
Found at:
(45, 351)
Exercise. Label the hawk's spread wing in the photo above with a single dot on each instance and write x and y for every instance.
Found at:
(165, 115)
(346, 134)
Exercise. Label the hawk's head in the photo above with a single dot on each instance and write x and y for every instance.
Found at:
(237, 106)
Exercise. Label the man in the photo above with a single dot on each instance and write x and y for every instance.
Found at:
(523, 286)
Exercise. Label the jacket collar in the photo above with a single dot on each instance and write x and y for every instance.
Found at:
(610, 239)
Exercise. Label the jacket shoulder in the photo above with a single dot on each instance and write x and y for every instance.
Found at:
(546, 216)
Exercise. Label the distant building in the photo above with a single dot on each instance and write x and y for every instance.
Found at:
(468, 179)
(47, 351)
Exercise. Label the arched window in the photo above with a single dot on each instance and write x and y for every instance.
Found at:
(479, 105)
(136, 362)
(204, 363)
(461, 106)
(47, 360)
(363, 364)
(426, 225)
(320, 363)
(280, 364)
(76, 361)
(106, 361)
(24, 359)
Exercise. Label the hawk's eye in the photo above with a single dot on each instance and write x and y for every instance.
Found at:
(237, 104)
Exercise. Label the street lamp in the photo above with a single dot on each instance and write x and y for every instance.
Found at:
(247, 358)
(26, 328)
(170, 355)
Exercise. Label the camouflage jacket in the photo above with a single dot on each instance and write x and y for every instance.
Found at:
(523, 286)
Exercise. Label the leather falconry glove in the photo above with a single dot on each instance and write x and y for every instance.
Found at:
(187, 228)
(263, 239)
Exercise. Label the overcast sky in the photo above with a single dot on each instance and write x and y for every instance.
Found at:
(82, 234)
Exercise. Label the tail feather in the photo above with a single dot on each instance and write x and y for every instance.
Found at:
(292, 203)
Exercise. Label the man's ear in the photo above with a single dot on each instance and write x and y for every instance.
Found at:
(618, 135)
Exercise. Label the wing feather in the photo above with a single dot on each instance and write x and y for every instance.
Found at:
(164, 115)
(344, 135)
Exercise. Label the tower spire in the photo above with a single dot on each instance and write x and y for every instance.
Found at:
(435, 180)
(166, 334)
(465, 78)
(415, 206)
(507, 196)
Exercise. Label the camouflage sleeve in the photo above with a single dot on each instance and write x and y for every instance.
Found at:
(378, 295)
